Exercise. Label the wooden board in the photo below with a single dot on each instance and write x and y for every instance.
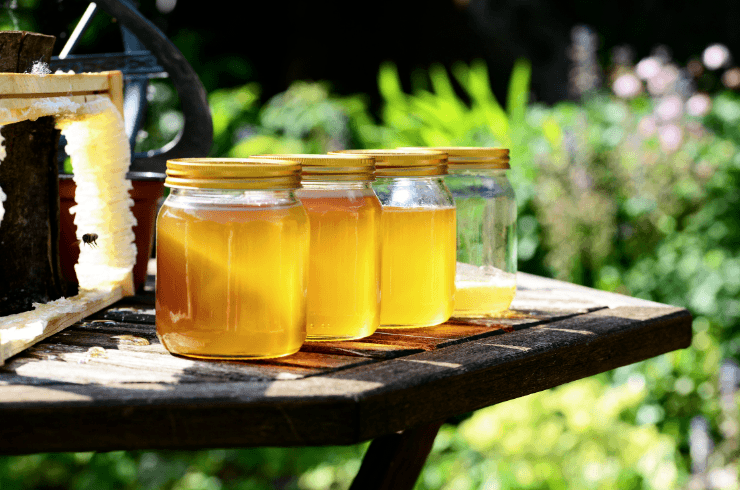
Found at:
(17, 88)
(19, 331)
(26, 85)
(108, 384)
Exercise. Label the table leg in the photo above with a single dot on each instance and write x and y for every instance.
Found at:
(394, 462)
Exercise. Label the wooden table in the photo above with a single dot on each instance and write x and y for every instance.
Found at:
(108, 384)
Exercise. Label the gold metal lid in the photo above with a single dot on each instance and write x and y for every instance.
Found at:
(334, 167)
(233, 173)
(473, 156)
(405, 163)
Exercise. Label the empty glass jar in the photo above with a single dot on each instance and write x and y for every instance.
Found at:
(418, 237)
(232, 255)
(486, 230)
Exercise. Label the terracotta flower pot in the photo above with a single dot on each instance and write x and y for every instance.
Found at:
(148, 188)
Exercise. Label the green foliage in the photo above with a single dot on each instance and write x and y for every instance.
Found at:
(19, 16)
(304, 119)
(235, 469)
(574, 436)
(440, 117)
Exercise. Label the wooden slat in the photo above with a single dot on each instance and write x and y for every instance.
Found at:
(127, 314)
(107, 352)
(90, 417)
(111, 327)
(360, 348)
(19, 85)
(553, 292)
(18, 332)
(115, 89)
(55, 363)
(469, 376)
(394, 343)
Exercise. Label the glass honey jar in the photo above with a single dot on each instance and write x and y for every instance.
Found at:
(344, 260)
(232, 256)
(417, 237)
(486, 230)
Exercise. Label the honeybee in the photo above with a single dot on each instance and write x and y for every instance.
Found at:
(90, 239)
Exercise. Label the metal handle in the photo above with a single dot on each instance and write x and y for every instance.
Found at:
(196, 136)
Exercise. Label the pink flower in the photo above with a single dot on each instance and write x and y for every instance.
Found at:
(731, 78)
(670, 137)
(698, 105)
(716, 56)
(664, 80)
(670, 108)
(627, 86)
(648, 68)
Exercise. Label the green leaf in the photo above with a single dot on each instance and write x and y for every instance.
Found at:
(518, 96)
(389, 83)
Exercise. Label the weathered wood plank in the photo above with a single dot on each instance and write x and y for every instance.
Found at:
(560, 292)
(26, 85)
(112, 327)
(398, 342)
(315, 361)
(469, 376)
(107, 352)
(19, 331)
(127, 315)
(360, 348)
(311, 411)
(55, 364)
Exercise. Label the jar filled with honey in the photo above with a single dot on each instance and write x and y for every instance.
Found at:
(232, 258)
(344, 262)
(417, 237)
(486, 230)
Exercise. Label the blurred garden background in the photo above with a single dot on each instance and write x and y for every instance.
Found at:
(623, 121)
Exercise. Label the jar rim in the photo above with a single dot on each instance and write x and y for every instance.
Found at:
(473, 156)
(392, 163)
(329, 167)
(233, 173)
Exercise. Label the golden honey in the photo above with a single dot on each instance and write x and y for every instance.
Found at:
(232, 282)
(344, 264)
(232, 259)
(418, 266)
(417, 237)
(480, 299)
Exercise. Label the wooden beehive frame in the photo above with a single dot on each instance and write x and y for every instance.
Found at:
(20, 97)
(15, 88)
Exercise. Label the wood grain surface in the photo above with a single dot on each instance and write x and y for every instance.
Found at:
(107, 383)
(29, 230)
